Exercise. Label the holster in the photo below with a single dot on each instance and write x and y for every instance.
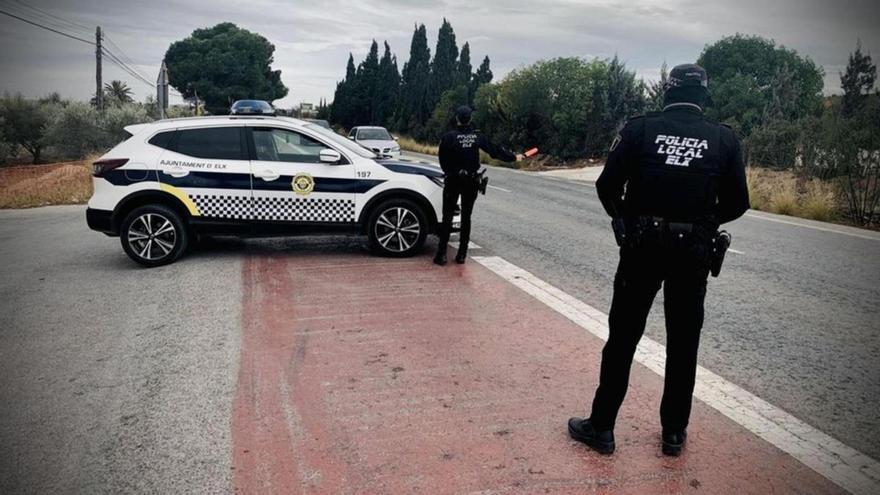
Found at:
(719, 245)
(479, 178)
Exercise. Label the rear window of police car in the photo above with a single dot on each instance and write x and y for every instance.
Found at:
(222, 143)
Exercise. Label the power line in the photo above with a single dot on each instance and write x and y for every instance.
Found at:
(46, 28)
(44, 17)
(74, 25)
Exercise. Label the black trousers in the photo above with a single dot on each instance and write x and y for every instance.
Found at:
(639, 276)
(452, 189)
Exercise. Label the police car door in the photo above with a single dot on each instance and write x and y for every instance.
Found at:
(292, 186)
(207, 169)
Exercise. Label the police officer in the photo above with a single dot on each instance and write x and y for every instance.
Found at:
(460, 160)
(671, 179)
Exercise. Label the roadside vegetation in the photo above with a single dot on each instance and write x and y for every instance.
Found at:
(808, 154)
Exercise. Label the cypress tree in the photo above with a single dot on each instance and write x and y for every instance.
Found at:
(367, 83)
(444, 68)
(388, 88)
(342, 110)
(413, 110)
(464, 66)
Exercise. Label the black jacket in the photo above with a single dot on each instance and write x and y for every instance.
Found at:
(676, 165)
(460, 150)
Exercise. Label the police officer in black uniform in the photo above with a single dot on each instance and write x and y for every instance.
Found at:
(671, 179)
(460, 160)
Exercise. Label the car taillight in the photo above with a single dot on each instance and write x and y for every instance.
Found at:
(101, 167)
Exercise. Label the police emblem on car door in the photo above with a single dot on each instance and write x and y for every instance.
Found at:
(208, 171)
(291, 183)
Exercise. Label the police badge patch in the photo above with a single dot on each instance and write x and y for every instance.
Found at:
(614, 143)
(303, 184)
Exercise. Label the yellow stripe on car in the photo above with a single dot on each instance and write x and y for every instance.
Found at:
(182, 196)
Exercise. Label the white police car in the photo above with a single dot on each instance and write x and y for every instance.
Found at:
(256, 176)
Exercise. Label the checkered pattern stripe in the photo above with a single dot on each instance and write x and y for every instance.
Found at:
(230, 207)
(276, 208)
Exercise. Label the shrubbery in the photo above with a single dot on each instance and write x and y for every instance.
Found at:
(53, 129)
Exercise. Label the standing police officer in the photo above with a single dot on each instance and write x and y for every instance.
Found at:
(671, 179)
(460, 160)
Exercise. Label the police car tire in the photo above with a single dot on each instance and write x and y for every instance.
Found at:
(392, 205)
(157, 213)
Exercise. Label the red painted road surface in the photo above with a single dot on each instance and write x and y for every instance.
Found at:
(369, 375)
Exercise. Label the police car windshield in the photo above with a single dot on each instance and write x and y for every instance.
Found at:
(341, 141)
(373, 135)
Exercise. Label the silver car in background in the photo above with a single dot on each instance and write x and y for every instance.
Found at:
(376, 139)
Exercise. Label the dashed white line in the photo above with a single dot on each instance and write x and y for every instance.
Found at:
(471, 245)
(843, 465)
(500, 188)
(735, 251)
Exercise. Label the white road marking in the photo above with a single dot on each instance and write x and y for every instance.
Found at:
(471, 245)
(500, 188)
(843, 465)
(735, 251)
(814, 227)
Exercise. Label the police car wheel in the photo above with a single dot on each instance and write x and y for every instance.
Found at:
(397, 228)
(153, 235)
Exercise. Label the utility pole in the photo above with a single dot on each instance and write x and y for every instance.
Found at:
(99, 89)
(162, 90)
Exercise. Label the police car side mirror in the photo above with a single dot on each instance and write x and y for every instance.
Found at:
(330, 156)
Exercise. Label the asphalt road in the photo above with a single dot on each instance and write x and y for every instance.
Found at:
(794, 318)
(107, 368)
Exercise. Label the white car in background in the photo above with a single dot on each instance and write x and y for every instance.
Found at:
(376, 139)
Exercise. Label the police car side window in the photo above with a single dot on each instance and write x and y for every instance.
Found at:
(162, 140)
(220, 143)
(282, 145)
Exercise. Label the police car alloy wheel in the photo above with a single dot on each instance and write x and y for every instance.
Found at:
(153, 235)
(397, 228)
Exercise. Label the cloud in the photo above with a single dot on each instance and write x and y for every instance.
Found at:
(313, 39)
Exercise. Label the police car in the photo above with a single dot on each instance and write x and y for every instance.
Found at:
(176, 179)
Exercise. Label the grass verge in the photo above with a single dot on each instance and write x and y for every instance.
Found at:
(42, 185)
(785, 193)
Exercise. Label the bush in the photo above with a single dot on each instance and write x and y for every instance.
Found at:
(24, 122)
(115, 119)
(75, 131)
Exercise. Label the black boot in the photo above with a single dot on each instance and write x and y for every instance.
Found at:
(673, 442)
(460, 257)
(583, 431)
(440, 258)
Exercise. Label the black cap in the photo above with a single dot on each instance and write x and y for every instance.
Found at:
(463, 114)
(687, 75)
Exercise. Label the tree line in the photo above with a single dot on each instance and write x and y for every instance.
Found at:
(416, 101)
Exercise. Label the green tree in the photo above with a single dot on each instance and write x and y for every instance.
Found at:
(117, 93)
(366, 89)
(222, 64)
(464, 66)
(444, 67)
(341, 112)
(24, 123)
(481, 77)
(75, 131)
(857, 81)
(657, 89)
(617, 97)
(742, 70)
(414, 109)
(548, 104)
(443, 117)
(388, 89)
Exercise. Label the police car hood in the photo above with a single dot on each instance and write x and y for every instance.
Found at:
(416, 167)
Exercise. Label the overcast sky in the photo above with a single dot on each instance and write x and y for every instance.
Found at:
(312, 39)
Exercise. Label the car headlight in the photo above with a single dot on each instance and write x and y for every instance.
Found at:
(395, 148)
(436, 180)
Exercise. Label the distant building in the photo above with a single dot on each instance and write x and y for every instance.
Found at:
(307, 110)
